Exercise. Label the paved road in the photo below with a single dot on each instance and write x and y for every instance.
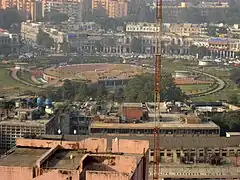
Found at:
(221, 84)
(13, 74)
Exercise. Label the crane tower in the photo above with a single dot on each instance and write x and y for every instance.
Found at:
(157, 87)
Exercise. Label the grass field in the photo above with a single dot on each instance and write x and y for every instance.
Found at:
(25, 76)
(193, 88)
(11, 86)
(222, 95)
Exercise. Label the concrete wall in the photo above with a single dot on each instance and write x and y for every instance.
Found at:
(122, 163)
(132, 112)
(125, 163)
(142, 169)
(100, 175)
(58, 175)
(44, 157)
(130, 146)
(16, 173)
(139, 172)
(91, 144)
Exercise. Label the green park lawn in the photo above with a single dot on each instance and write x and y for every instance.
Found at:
(25, 76)
(193, 88)
(10, 86)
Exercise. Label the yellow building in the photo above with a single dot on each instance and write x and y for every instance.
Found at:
(114, 8)
(118, 8)
(185, 29)
(101, 3)
(19, 4)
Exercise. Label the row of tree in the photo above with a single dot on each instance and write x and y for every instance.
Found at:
(11, 18)
(138, 89)
(229, 121)
(235, 76)
(140, 11)
(44, 39)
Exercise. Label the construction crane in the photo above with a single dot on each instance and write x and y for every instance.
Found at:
(157, 87)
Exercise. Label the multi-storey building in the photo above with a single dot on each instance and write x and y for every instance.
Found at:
(19, 4)
(118, 8)
(57, 36)
(71, 8)
(223, 47)
(23, 124)
(31, 8)
(114, 8)
(141, 28)
(174, 123)
(36, 11)
(85, 158)
(185, 29)
(9, 43)
(185, 157)
(30, 30)
(79, 124)
(70, 27)
(100, 3)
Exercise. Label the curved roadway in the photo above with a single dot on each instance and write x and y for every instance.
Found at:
(14, 75)
(221, 84)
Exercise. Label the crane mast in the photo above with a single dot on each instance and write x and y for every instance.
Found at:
(157, 87)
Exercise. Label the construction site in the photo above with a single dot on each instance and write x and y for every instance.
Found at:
(117, 141)
(138, 119)
(87, 159)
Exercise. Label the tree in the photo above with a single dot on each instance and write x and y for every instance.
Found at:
(194, 16)
(5, 49)
(216, 31)
(193, 49)
(99, 46)
(140, 89)
(136, 45)
(235, 76)
(228, 121)
(10, 16)
(44, 39)
(202, 51)
(65, 47)
(234, 98)
(118, 95)
(56, 17)
(82, 92)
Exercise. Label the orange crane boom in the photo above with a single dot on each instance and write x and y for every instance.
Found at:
(157, 87)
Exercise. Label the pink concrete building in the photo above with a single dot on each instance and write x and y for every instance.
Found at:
(88, 159)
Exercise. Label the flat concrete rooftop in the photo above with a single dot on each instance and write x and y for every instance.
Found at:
(169, 121)
(168, 142)
(17, 122)
(24, 157)
(132, 105)
(61, 159)
(151, 125)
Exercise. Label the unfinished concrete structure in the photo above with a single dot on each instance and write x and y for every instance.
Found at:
(87, 159)
(175, 121)
(188, 156)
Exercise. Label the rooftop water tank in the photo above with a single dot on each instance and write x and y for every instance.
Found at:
(39, 102)
(48, 102)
